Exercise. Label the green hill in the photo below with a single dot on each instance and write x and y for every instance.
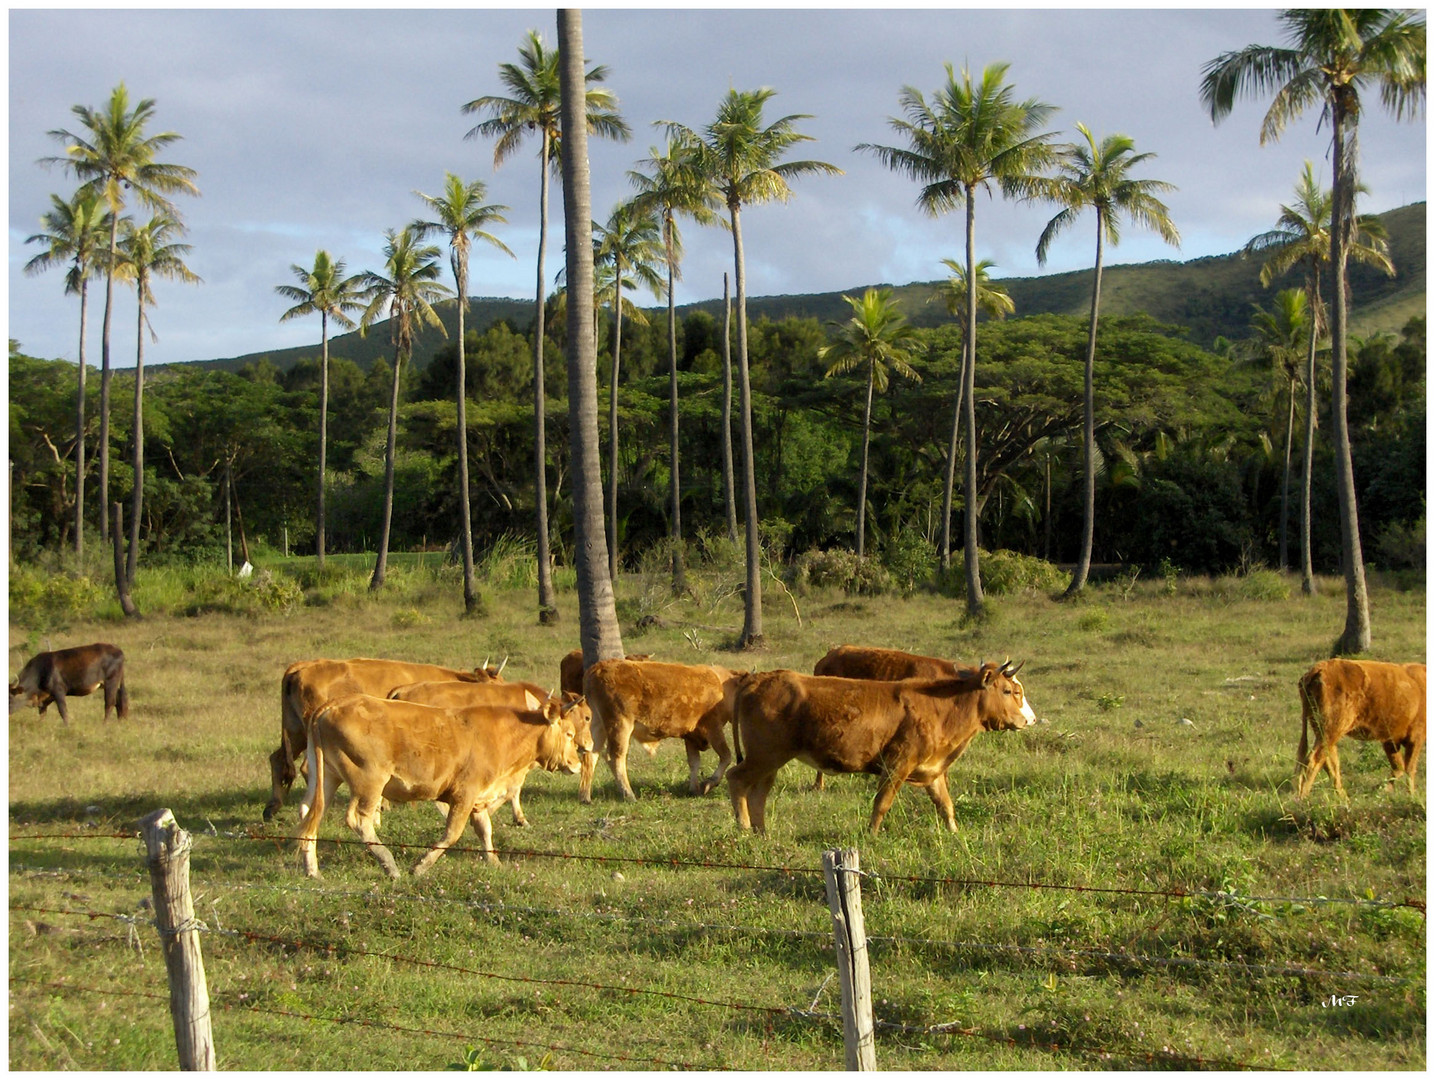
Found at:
(1211, 297)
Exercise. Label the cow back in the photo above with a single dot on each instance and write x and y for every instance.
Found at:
(1366, 699)
(863, 662)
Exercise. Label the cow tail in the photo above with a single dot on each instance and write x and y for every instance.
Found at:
(314, 794)
(737, 719)
(1309, 687)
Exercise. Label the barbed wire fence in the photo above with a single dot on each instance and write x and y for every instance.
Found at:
(192, 927)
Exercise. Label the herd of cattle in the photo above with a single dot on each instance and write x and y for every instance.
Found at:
(395, 731)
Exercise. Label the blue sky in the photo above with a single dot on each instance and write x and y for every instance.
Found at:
(314, 128)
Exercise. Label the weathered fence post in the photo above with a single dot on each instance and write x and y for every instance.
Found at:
(844, 897)
(168, 861)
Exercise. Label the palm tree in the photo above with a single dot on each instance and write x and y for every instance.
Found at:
(739, 155)
(1279, 344)
(75, 235)
(322, 289)
(728, 487)
(672, 187)
(113, 157)
(877, 338)
(407, 291)
(462, 215)
(995, 302)
(1334, 54)
(597, 614)
(628, 244)
(1099, 176)
(969, 138)
(147, 252)
(1301, 238)
(533, 105)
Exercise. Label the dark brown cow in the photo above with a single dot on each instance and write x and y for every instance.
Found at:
(307, 684)
(570, 670)
(649, 701)
(885, 665)
(513, 695)
(64, 673)
(405, 752)
(1365, 699)
(908, 731)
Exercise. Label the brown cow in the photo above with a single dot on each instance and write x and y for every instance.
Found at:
(650, 701)
(468, 758)
(886, 665)
(515, 695)
(570, 670)
(55, 676)
(1365, 699)
(307, 684)
(908, 731)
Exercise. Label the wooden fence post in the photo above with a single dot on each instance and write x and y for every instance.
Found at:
(168, 861)
(844, 897)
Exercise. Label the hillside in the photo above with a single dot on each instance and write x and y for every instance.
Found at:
(1211, 297)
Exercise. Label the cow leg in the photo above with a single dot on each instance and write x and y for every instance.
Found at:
(513, 800)
(57, 694)
(111, 694)
(1332, 766)
(818, 784)
(313, 813)
(942, 800)
(720, 747)
(363, 810)
(1306, 774)
(483, 826)
(886, 795)
(695, 766)
(1395, 754)
(757, 802)
(589, 761)
(457, 818)
(618, 759)
(737, 791)
(1412, 755)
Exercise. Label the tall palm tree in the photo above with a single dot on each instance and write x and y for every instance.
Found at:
(75, 235)
(728, 487)
(628, 244)
(968, 139)
(406, 291)
(533, 105)
(147, 252)
(1098, 175)
(1280, 345)
(323, 290)
(597, 614)
(1333, 55)
(879, 339)
(1301, 239)
(461, 214)
(996, 303)
(112, 158)
(740, 156)
(671, 186)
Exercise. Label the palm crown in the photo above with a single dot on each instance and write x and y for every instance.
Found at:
(408, 288)
(877, 334)
(322, 290)
(76, 232)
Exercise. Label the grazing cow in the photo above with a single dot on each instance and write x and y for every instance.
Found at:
(1367, 700)
(650, 701)
(907, 731)
(307, 684)
(886, 665)
(570, 670)
(469, 758)
(456, 695)
(55, 676)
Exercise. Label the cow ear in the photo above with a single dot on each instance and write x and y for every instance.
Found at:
(531, 702)
(988, 674)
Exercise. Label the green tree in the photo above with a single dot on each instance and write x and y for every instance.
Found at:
(461, 214)
(1098, 175)
(673, 186)
(74, 236)
(1333, 56)
(115, 157)
(740, 156)
(406, 291)
(996, 303)
(533, 105)
(322, 289)
(878, 339)
(1301, 239)
(629, 246)
(971, 137)
(147, 252)
(1279, 345)
(597, 614)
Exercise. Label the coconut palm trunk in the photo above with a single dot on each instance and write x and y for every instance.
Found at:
(80, 432)
(680, 575)
(381, 564)
(472, 602)
(862, 480)
(137, 496)
(323, 435)
(950, 481)
(547, 598)
(969, 365)
(1307, 572)
(752, 636)
(1088, 423)
(597, 614)
(728, 483)
(613, 428)
(105, 371)
(1286, 473)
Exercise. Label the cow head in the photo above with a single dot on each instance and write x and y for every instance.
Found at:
(17, 696)
(559, 746)
(1003, 699)
(576, 706)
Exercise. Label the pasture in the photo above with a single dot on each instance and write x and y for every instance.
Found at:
(1132, 885)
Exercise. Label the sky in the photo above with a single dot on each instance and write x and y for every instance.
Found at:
(314, 128)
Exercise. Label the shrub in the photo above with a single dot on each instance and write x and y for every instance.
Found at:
(1005, 572)
(842, 570)
(1401, 546)
(510, 562)
(910, 559)
(264, 592)
(1263, 585)
(1095, 619)
(42, 599)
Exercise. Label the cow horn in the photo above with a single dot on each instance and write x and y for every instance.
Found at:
(504, 664)
(485, 663)
(1009, 671)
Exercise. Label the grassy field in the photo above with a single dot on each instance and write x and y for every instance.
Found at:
(1044, 935)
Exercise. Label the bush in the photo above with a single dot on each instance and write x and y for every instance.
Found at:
(842, 570)
(1005, 572)
(265, 592)
(910, 559)
(1263, 585)
(1401, 546)
(39, 599)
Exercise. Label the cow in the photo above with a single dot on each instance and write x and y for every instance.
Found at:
(307, 684)
(55, 676)
(469, 758)
(1365, 699)
(905, 731)
(456, 694)
(864, 662)
(650, 701)
(570, 670)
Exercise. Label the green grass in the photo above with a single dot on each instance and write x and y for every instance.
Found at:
(1119, 797)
